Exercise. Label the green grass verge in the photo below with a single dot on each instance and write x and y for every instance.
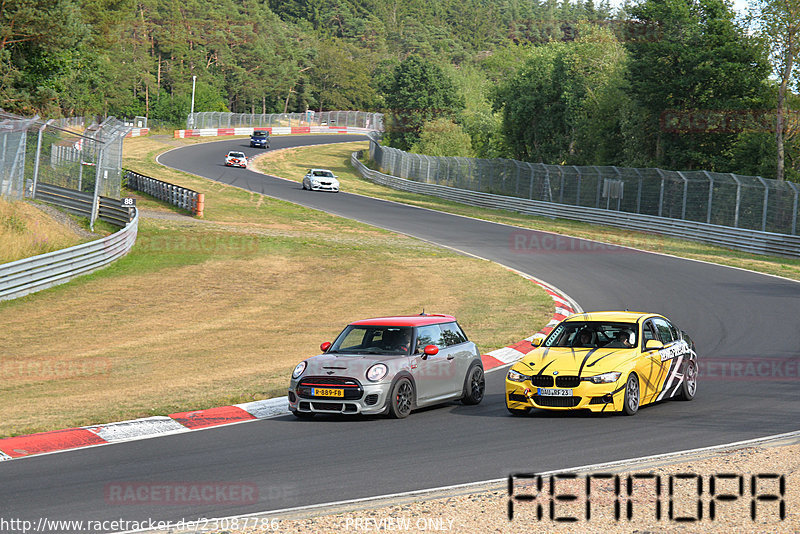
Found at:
(292, 163)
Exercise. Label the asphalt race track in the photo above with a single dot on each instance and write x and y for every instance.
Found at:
(734, 316)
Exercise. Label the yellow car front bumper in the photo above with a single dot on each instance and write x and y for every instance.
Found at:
(585, 396)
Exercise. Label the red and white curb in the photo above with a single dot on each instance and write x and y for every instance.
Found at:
(565, 307)
(149, 427)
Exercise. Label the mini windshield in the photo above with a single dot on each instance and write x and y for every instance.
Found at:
(382, 340)
(593, 334)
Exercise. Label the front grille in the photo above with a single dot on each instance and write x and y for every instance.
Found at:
(542, 381)
(516, 397)
(329, 406)
(352, 387)
(330, 381)
(343, 407)
(369, 400)
(568, 381)
(556, 402)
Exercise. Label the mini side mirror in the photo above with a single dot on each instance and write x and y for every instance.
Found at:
(325, 346)
(653, 344)
(431, 350)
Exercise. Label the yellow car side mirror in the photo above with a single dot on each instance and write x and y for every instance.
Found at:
(653, 344)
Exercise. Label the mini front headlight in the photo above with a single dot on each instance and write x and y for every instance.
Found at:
(605, 378)
(377, 372)
(517, 377)
(298, 370)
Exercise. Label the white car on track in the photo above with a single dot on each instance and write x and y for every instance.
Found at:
(320, 180)
(236, 159)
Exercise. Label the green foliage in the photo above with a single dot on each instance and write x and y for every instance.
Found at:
(566, 104)
(550, 80)
(596, 101)
(420, 92)
(443, 137)
(340, 78)
(174, 109)
(702, 60)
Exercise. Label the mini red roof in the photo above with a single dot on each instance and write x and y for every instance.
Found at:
(407, 320)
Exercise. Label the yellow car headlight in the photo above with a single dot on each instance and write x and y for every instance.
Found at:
(514, 376)
(605, 378)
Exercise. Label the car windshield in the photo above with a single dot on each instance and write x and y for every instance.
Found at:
(236, 155)
(593, 334)
(260, 134)
(381, 340)
(324, 174)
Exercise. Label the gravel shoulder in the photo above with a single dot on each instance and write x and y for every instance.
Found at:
(485, 509)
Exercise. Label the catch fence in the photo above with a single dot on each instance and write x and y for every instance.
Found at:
(332, 119)
(722, 199)
(61, 153)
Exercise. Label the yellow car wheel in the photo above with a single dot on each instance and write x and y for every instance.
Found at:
(632, 392)
(689, 386)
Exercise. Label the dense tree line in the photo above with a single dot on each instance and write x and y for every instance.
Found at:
(672, 83)
(138, 57)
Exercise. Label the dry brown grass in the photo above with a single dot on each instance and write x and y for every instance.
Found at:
(26, 231)
(227, 331)
(206, 313)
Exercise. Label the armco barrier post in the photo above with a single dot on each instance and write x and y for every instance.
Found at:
(201, 203)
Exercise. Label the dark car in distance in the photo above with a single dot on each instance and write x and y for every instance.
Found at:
(259, 139)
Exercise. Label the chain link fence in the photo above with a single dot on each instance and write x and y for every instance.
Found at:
(61, 153)
(725, 199)
(341, 119)
(13, 145)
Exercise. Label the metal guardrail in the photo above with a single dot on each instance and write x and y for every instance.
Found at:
(173, 194)
(80, 203)
(753, 241)
(71, 200)
(29, 275)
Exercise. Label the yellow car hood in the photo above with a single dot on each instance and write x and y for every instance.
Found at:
(575, 361)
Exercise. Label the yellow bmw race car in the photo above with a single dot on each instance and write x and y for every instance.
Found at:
(604, 362)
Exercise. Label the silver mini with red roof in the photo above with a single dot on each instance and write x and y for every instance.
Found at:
(389, 365)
